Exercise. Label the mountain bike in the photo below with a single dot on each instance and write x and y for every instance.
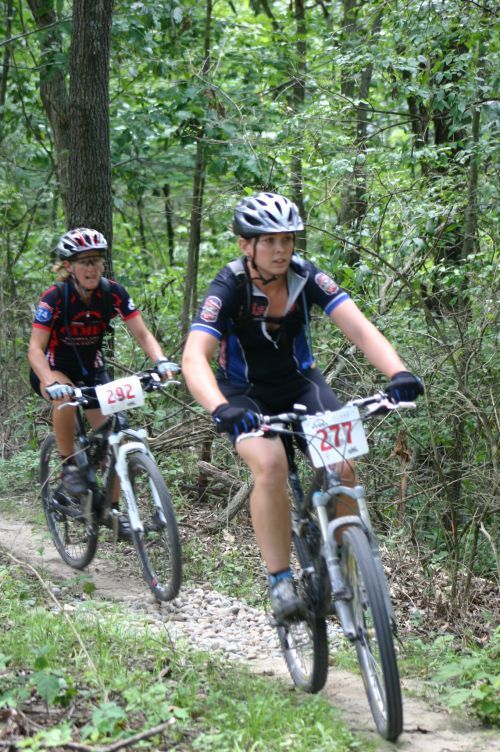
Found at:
(346, 578)
(111, 455)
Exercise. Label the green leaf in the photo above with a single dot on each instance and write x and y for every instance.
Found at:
(48, 685)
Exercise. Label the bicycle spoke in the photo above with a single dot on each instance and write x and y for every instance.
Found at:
(74, 537)
(304, 643)
(158, 545)
(374, 643)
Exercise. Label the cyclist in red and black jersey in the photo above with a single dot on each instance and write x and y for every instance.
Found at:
(66, 340)
(256, 314)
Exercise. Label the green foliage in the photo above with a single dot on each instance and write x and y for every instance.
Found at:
(142, 681)
(471, 680)
(390, 201)
(19, 473)
(227, 565)
(465, 676)
(59, 736)
(107, 721)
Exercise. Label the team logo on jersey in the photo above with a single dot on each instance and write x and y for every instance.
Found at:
(326, 283)
(43, 313)
(210, 309)
(131, 305)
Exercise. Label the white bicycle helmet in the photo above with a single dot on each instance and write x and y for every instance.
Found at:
(80, 240)
(266, 213)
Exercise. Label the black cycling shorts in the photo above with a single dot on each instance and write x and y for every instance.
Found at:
(311, 390)
(99, 376)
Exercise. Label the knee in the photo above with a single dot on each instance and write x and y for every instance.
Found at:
(270, 468)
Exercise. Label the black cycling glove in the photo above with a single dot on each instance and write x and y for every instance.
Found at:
(234, 420)
(404, 387)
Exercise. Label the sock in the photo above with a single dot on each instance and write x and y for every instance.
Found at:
(283, 574)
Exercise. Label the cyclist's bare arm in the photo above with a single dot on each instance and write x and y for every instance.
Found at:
(365, 335)
(199, 352)
(36, 356)
(144, 338)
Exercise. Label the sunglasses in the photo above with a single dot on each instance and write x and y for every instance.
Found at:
(91, 261)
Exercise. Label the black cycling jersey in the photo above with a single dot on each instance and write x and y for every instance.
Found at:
(251, 352)
(87, 325)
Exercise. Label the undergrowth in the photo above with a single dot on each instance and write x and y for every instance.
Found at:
(90, 672)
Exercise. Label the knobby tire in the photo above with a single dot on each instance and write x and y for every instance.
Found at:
(74, 536)
(158, 546)
(304, 643)
(374, 643)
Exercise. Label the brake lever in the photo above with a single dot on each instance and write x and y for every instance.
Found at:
(73, 404)
(386, 406)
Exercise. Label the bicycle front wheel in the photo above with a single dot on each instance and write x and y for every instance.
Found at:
(304, 643)
(74, 534)
(158, 546)
(374, 641)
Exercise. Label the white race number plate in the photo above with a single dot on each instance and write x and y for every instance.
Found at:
(334, 436)
(122, 394)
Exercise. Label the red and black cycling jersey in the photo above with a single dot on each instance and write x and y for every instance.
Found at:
(256, 349)
(87, 324)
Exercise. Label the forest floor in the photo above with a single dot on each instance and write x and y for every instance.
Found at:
(427, 726)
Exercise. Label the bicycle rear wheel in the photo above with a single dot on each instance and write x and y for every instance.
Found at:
(374, 642)
(158, 546)
(304, 643)
(74, 535)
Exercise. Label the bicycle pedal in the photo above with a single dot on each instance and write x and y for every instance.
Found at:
(273, 622)
(285, 622)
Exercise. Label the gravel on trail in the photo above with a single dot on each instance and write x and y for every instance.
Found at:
(216, 623)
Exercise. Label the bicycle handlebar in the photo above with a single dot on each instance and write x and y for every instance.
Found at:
(378, 403)
(150, 380)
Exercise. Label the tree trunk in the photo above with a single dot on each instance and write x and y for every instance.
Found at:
(170, 224)
(190, 293)
(53, 92)
(470, 229)
(297, 103)
(90, 200)
(354, 192)
(6, 60)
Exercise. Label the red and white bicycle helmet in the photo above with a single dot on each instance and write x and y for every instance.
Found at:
(80, 240)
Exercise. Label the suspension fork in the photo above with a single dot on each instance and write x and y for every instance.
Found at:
(121, 452)
(330, 549)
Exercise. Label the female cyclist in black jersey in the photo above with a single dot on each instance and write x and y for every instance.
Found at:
(256, 315)
(65, 347)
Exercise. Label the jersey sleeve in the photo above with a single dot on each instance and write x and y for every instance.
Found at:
(48, 309)
(122, 303)
(218, 306)
(323, 290)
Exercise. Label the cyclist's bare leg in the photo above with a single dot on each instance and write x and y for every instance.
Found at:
(346, 506)
(96, 419)
(63, 421)
(269, 502)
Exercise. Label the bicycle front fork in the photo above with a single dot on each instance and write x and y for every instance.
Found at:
(331, 552)
(121, 451)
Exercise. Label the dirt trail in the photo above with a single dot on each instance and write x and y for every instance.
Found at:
(425, 729)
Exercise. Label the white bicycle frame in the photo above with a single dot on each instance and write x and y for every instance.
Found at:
(138, 443)
(120, 452)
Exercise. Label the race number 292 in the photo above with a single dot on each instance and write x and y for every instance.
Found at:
(122, 394)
